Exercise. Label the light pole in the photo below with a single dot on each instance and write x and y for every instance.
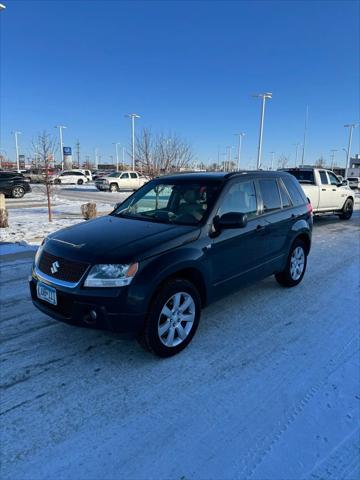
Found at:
(229, 155)
(264, 97)
(333, 158)
(305, 134)
(17, 149)
(240, 135)
(117, 154)
(133, 116)
(123, 158)
(61, 127)
(96, 158)
(351, 127)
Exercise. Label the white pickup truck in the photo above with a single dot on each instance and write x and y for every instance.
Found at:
(326, 192)
(128, 180)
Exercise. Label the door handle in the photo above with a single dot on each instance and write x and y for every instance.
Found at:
(323, 189)
(334, 189)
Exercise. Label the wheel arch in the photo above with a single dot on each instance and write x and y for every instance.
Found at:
(350, 197)
(303, 236)
(192, 274)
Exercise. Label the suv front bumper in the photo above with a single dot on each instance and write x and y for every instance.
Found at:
(87, 309)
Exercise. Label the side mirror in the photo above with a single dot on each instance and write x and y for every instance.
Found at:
(231, 220)
(344, 182)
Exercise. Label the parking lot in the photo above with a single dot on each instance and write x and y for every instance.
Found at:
(272, 374)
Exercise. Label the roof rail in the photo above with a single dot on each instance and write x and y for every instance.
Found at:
(233, 174)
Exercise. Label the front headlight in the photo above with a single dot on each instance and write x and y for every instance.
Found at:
(111, 275)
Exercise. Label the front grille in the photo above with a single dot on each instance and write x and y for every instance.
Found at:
(67, 270)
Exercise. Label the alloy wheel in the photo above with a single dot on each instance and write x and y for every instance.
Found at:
(176, 319)
(18, 192)
(297, 263)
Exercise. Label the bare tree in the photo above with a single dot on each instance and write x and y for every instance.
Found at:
(320, 162)
(44, 148)
(144, 152)
(163, 153)
(283, 161)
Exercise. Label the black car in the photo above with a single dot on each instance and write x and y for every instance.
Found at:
(13, 184)
(177, 244)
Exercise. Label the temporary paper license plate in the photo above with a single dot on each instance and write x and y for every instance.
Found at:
(46, 293)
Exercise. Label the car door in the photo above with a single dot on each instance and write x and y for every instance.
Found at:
(276, 221)
(4, 182)
(233, 253)
(124, 181)
(327, 199)
(64, 177)
(339, 193)
(134, 180)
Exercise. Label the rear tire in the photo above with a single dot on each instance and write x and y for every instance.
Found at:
(114, 187)
(347, 210)
(18, 192)
(295, 265)
(173, 318)
(57, 181)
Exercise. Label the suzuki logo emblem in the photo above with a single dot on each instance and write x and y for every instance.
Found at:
(55, 267)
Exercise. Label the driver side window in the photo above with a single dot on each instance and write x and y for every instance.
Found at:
(240, 198)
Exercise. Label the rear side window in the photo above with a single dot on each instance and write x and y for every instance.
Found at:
(303, 176)
(285, 199)
(270, 195)
(323, 177)
(133, 175)
(296, 193)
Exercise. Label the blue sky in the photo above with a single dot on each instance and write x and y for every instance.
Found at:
(185, 67)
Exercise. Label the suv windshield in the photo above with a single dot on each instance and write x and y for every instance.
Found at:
(179, 202)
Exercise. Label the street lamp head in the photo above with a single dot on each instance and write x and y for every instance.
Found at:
(351, 125)
(132, 115)
(263, 95)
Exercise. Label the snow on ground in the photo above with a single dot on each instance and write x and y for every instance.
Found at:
(28, 216)
(267, 390)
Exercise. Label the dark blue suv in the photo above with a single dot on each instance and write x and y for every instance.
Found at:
(175, 245)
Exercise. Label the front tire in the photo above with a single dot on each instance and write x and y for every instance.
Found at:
(172, 319)
(18, 192)
(57, 181)
(114, 187)
(295, 265)
(347, 210)
(80, 181)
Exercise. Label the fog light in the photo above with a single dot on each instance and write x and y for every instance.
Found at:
(93, 315)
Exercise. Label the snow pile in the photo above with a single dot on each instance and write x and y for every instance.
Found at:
(32, 225)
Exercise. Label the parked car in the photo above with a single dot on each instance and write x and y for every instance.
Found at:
(117, 181)
(177, 244)
(325, 191)
(13, 184)
(70, 177)
(86, 172)
(354, 182)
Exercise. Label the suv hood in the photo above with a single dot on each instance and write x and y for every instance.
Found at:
(111, 239)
